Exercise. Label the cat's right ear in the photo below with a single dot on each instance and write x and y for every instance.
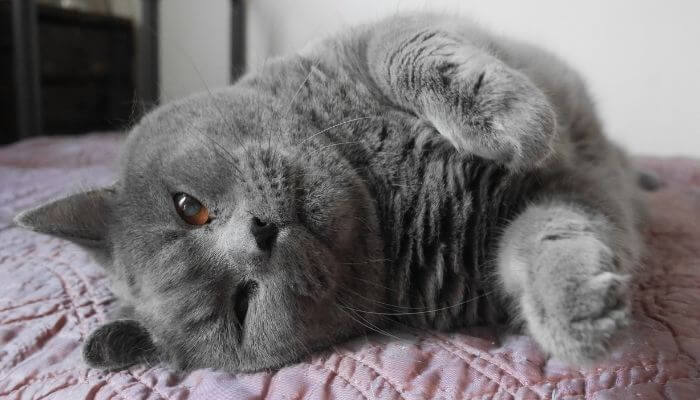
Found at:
(82, 218)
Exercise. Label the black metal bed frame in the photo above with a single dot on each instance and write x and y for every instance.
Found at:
(27, 58)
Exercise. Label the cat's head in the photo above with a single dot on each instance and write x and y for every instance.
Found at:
(230, 244)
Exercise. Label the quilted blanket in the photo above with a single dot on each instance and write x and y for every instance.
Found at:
(52, 295)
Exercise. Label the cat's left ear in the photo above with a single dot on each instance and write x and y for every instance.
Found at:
(82, 218)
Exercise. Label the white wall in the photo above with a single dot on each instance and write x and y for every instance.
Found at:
(641, 58)
(194, 46)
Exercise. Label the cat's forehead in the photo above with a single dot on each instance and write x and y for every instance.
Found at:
(203, 129)
(282, 99)
(195, 124)
(189, 144)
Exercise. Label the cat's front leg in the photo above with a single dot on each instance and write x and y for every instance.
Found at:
(472, 98)
(567, 275)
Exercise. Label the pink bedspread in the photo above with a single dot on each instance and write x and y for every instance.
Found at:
(52, 295)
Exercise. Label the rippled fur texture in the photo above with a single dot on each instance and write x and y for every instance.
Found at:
(422, 172)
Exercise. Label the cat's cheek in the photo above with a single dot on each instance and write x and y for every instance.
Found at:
(343, 236)
(344, 227)
(306, 263)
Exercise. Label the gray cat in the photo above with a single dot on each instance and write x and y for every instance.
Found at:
(415, 172)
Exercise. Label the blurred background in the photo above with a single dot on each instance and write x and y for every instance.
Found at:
(97, 65)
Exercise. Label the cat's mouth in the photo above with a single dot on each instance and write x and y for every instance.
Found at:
(241, 301)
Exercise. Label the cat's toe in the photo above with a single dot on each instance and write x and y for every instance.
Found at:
(582, 324)
(606, 313)
(589, 339)
(597, 297)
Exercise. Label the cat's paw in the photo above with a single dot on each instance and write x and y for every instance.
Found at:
(493, 111)
(575, 314)
(471, 97)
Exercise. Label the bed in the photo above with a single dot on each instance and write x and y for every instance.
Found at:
(52, 295)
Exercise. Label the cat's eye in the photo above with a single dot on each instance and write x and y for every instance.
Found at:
(190, 209)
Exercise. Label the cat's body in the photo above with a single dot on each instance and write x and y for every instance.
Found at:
(417, 171)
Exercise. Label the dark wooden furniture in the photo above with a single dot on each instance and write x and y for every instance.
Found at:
(86, 71)
(70, 72)
(238, 38)
(148, 65)
(20, 104)
(64, 71)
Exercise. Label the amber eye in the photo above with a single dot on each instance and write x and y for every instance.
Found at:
(190, 209)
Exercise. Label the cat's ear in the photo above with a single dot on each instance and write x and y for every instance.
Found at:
(119, 344)
(82, 218)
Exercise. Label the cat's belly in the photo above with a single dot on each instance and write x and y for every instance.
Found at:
(441, 213)
(440, 233)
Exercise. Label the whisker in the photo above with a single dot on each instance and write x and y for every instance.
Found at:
(216, 106)
(230, 159)
(369, 261)
(331, 127)
(306, 348)
(306, 79)
(388, 305)
(190, 59)
(291, 102)
(374, 284)
(427, 311)
(364, 322)
(320, 149)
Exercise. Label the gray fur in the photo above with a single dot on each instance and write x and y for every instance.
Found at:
(119, 344)
(422, 171)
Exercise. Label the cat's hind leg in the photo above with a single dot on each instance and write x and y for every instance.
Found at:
(566, 268)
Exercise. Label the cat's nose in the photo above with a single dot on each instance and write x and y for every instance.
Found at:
(264, 232)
